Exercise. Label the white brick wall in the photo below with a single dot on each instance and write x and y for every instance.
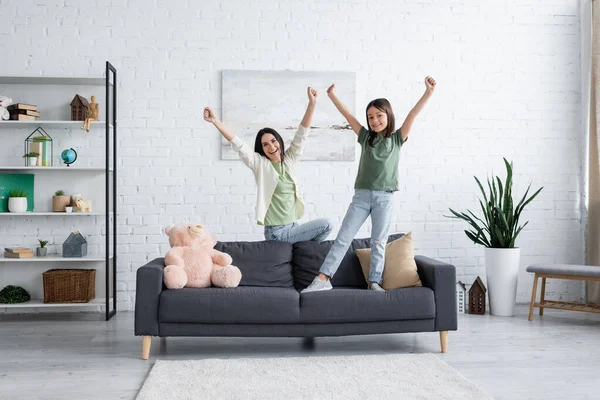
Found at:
(509, 85)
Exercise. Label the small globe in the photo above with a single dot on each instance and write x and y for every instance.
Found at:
(68, 156)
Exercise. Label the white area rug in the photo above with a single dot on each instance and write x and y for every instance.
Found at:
(402, 376)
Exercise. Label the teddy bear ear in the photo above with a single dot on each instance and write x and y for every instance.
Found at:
(169, 228)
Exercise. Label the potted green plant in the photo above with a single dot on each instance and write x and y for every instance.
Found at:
(497, 229)
(60, 201)
(42, 250)
(31, 158)
(17, 201)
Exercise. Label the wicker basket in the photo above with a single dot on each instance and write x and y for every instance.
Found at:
(69, 285)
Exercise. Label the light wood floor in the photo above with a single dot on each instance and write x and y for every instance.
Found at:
(80, 357)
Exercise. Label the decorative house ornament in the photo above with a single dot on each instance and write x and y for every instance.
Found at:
(79, 108)
(477, 297)
(75, 246)
(41, 143)
(461, 297)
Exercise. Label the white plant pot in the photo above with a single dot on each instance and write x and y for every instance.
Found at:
(502, 273)
(17, 204)
(32, 161)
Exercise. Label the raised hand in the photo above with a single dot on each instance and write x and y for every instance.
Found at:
(331, 90)
(209, 115)
(430, 83)
(312, 95)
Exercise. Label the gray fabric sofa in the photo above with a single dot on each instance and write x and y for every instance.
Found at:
(268, 301)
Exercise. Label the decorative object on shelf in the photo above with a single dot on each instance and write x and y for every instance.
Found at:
(461, 297)
(40, 142)
(60, 201)
(31, 158)
(69, 285)
(68, 209)
(75, 246)
(497, 230)
(12, 294)
(12, 181)
(4, 103)
(45, 142)
(42, 250)
(17, 201)
(93, 113)
(477, 297)
(68, 156)
(23, 112)
(79, 108)
(80, 204)
(17, 252)
(73, 197)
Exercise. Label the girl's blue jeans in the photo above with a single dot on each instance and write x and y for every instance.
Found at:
(378, 204)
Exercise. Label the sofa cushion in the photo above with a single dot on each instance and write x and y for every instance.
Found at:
(361, 305)
(265, 263)
(400, 268)
(241, 305)
(309, 256)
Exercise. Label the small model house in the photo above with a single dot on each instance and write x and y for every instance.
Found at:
(79, 108)
(477, 297)
(75, 246)
(461, 297)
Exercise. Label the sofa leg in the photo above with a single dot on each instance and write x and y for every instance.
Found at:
(444, 341)
(308, 343)
(146, 342)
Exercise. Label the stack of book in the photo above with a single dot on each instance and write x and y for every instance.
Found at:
(23, 112)
(17, 252)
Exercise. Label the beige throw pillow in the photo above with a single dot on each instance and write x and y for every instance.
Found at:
(400, 267)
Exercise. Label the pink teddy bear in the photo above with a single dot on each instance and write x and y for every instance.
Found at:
(192, 261)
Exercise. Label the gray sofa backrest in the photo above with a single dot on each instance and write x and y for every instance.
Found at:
(265, 263)
(281, 264)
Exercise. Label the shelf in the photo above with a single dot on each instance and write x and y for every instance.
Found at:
(55, 258)
(50, 213)
(51, 80)
(52, 124)
(29, 169)
(37, 303)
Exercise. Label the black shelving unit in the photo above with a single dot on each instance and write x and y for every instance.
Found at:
(111, 197)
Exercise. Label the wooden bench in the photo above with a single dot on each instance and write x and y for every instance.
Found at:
(561, 271)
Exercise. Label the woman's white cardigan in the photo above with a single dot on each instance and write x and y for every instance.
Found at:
(266, 176)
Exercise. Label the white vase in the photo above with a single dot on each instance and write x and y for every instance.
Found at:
(502, 273)
(32, 161)
(17, 204)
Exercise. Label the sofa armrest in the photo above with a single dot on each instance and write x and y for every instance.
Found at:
(441, 278)
(148, 286)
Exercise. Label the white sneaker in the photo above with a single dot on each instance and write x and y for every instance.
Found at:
(375, 286)
(318, 285)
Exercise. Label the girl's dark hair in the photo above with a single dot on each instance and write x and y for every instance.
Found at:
(385, 106)
(258, 148)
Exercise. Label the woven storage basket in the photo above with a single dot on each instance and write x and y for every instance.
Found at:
(69, 285)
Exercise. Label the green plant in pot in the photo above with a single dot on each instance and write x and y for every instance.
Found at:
(60, 201)
(42, 250)
(17, 201)
(31, 158)
(497, 229)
